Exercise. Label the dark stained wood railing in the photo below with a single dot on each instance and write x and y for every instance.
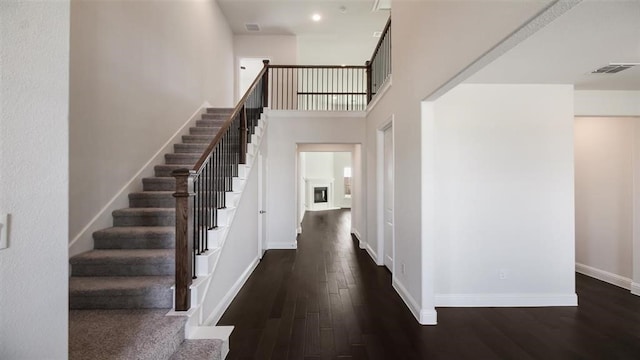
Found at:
(318, 87)
(331, 87)
(379, 67)
(201, 191)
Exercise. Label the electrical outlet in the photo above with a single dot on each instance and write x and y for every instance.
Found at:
(402, 269)
(503, 274)
(4, 234)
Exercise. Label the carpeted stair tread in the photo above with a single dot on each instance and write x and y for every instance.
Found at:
(124, 334)
(118, 256)
(134, 262)
(152, 199)
(205, 349)
(220, 110)
(141, 216)
(167, 169)
(182, 158)
(197, 139)
(159, 184)
(190, 148)
(117, 285)
(135, 237)
(202, 130)
(211, 122)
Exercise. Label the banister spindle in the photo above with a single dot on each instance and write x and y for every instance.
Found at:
(184, 237)
(369, 82)
(265, 85)
(243, 135)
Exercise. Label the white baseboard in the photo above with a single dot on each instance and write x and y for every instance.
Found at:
(361, 244)
(282, 245)
(635, 288)
(505, 300)
(611, 278)
(428, 317)
(219, 310)
(372, 253)
(83, 241)
(423, 316)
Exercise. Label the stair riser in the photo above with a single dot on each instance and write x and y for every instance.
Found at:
(204, 130)
(155, 220)
(167, 201)
(190, 148)
(117, 269)
(227, 111)
(135, 243)
(191, 139)
(167, 171)
(210, 123)
(182, 159)
(159, 184)
(156, 299)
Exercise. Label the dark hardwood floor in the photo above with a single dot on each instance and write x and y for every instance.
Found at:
(328, 300)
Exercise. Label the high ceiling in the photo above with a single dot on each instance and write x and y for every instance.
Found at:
(293, 17)
(589, 36)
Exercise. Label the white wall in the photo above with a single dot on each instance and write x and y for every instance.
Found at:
(607, 103)
(321, 50)
(280, 49)
(504, 196)
(604, 193)
(451, 34)
(138, 71)
(286, 130)
(340, 161)
(319, 165)
(34, 178)
(239, 255)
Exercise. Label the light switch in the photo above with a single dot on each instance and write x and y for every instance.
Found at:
(4, 234)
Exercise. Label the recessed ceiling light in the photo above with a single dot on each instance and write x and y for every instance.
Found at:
(316, 17)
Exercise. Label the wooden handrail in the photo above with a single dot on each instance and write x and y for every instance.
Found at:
(317, 66)
(223, 130)
(194, 200)
(384, 33)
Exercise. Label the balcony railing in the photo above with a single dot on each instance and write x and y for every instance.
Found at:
(318, 87)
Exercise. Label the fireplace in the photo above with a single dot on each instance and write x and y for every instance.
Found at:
(320, 194)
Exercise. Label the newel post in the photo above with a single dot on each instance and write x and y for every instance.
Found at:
(265, 85)
(368, 65)
(243, 135)
(184, 234)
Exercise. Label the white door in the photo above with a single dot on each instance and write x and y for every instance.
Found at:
(262, 202)
(388, 198)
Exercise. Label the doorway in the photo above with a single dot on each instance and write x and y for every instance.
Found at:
(328, 176)
(385, 179)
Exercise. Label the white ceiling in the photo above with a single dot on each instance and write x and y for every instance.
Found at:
(589, 36)
(293, 17)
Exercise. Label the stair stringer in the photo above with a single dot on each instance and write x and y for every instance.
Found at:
(201, 317)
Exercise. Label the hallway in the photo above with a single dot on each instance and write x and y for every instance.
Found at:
(329, 300)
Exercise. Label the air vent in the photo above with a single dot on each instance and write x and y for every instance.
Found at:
(613, 68)
(377, 34)
(252, 27)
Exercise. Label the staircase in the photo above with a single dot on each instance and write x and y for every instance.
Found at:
(116, 289)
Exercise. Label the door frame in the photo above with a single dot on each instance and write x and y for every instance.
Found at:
(262, 233)
(386, 125)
